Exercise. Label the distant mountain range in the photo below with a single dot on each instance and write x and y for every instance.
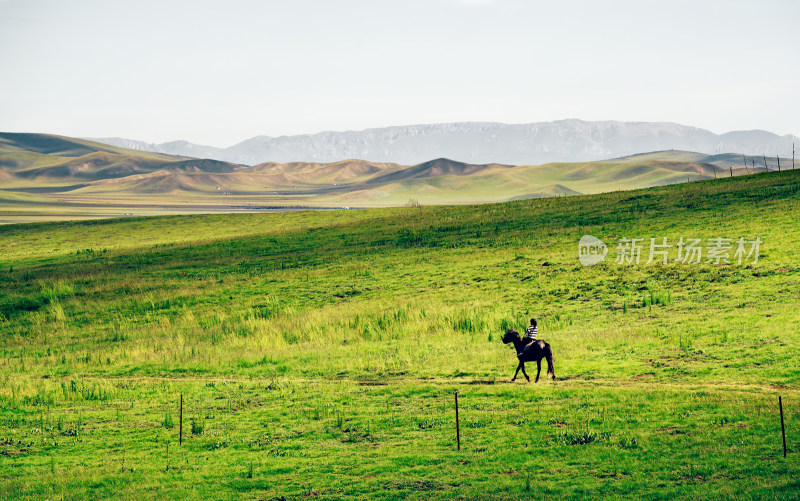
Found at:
(481, 143)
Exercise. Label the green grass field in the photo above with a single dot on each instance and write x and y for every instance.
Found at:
(318, 353)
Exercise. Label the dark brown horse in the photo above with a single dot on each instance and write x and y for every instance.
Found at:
(534, 352)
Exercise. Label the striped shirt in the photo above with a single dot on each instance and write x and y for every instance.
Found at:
(531, 333)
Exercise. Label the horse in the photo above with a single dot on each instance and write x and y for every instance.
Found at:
(534, 352)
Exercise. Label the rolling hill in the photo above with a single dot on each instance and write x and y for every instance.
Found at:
(39, 161)
(83, 177)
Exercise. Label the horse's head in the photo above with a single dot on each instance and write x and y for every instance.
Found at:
(510, 336)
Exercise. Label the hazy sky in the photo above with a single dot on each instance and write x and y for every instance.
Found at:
(218, 72)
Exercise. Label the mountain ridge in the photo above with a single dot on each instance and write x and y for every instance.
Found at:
(570, 140)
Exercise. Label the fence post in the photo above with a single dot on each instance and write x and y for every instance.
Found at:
(783, 430)
(180, 426)
(458, 431)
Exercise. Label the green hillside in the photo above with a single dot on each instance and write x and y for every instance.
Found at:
(318, 353)
(493, 183)
(305, 173)
(41, 161)
(62, 146)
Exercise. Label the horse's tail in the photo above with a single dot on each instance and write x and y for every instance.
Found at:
(551, 368)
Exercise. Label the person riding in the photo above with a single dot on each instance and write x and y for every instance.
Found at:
(530, 335)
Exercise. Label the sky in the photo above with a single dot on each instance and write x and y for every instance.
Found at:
(220, 72)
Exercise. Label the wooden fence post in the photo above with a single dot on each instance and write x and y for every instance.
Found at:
(458, 431)
(180, 426)
(783, 430)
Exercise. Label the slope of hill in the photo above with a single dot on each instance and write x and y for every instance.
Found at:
(483, 142)
(317, 354)
(96, 165)
(79, 173)
(739, 162)
(435, 168)
(345, 171)
(49, 144)
(443, 181)
(46, 159)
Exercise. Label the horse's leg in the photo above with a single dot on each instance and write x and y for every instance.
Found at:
(522, 364)
(518, 368)
(538, 370)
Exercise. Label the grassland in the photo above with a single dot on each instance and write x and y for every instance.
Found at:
(318, 352)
